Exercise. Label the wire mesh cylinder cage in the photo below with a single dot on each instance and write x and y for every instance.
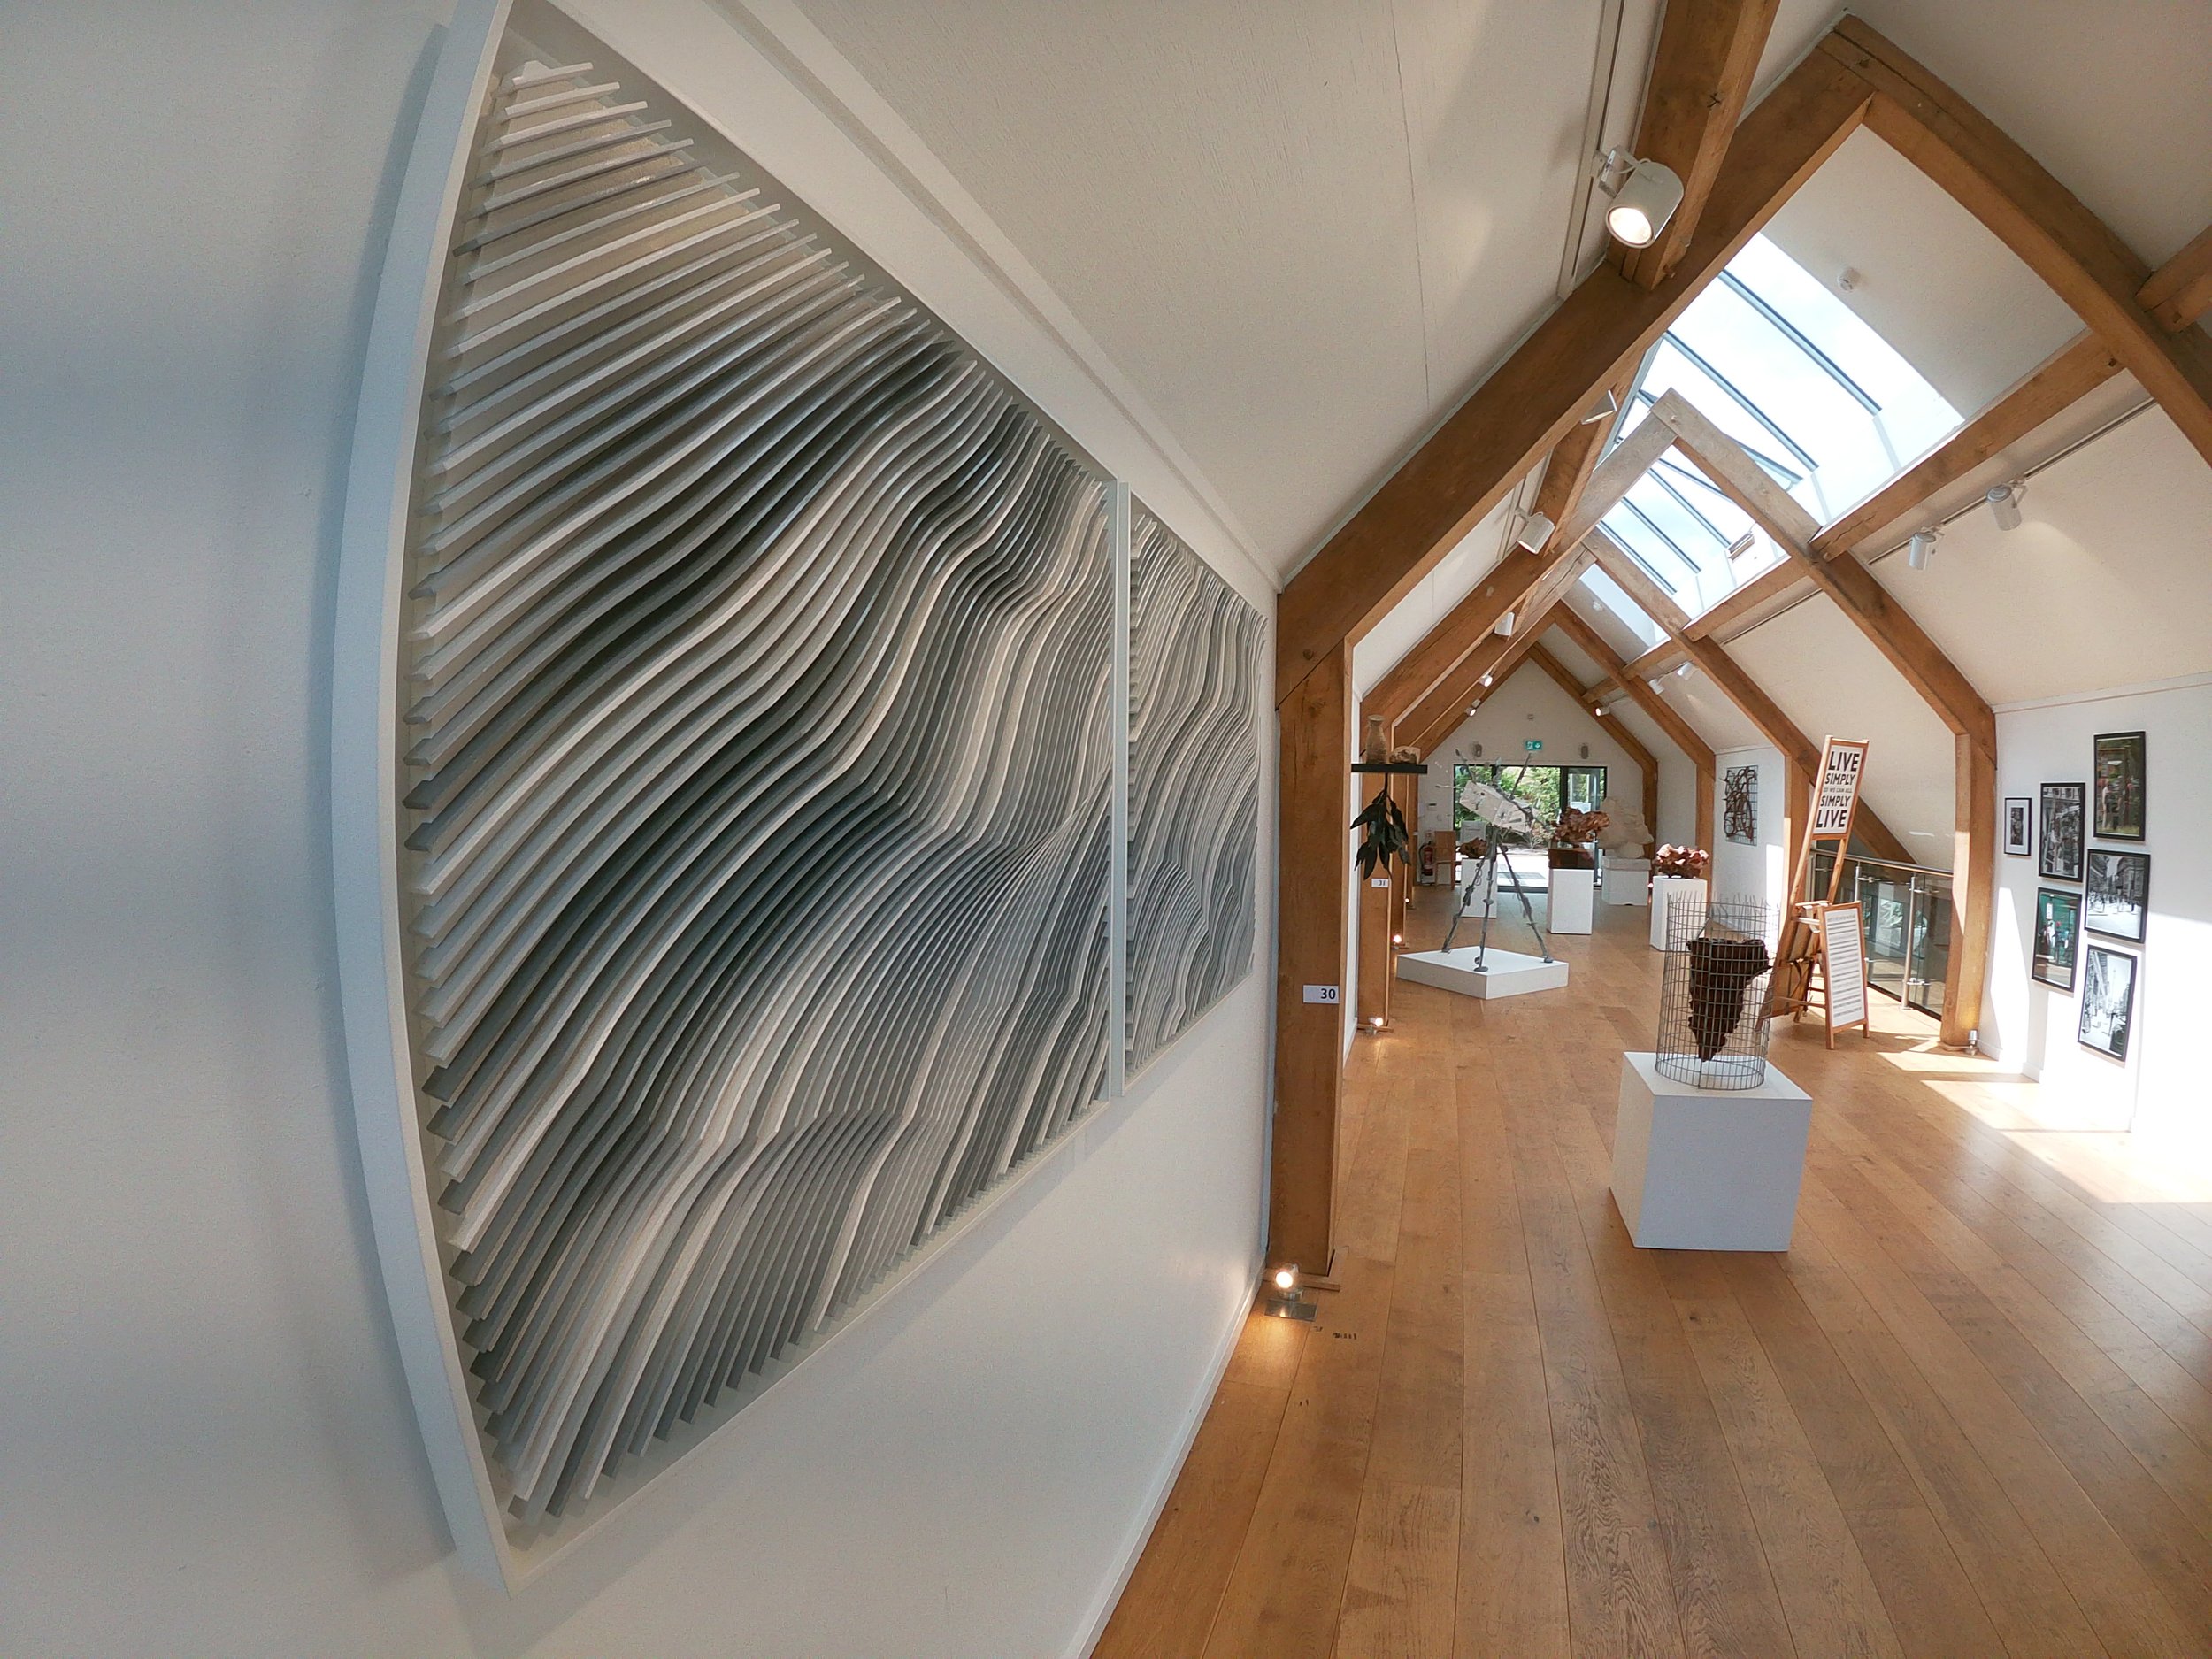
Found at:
(1713, 992)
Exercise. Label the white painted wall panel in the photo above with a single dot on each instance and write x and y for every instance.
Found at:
(2161, 1087)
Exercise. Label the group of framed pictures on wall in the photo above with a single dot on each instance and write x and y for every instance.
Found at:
(2115, 896)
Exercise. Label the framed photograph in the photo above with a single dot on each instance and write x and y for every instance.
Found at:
(1740, 804)
(2107, 1001)
(2117, 893)
(2064, 808)
(2019, 825)
(2119, 769)
(2057, 929)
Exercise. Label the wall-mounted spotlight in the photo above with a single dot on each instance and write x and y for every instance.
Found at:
(1644, 195)
(1535, 531)
(1921, 547)
(1504, 630)
(2004, 504)
(1604, 409)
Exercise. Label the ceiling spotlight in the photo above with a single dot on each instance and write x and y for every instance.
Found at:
(1485, 680)
(1644, 195)
(1597, 709)
(1535, 531)
(2004, 504)
(1918, 550)
(1604, 409)
(1681, 670)
(1656, 685)
(1504, 630)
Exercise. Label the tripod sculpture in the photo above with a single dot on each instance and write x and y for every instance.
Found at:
(1499, 816)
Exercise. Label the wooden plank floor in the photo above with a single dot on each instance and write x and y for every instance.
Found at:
(1969, 1412)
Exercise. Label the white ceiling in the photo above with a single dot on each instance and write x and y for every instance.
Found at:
(1304, 228)
(2111, 97)
(1957, 303)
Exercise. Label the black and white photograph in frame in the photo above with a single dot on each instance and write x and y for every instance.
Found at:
(2107, 1001)
(2117, 893)
(2019, 825)
(2065, 806)
(2057, 930)
(1740, 804)
(2120, 788)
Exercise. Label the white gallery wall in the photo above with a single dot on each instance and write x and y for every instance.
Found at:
(210, 1445)
(2160, 1088)
(1530, 706)
(1759, 870)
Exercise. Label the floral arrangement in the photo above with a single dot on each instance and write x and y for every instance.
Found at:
(1572, 837)
(1680, 861)
(1574, 829)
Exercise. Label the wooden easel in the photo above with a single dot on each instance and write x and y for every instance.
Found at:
(1834, 809)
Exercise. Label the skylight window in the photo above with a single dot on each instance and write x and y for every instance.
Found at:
(1783, 366)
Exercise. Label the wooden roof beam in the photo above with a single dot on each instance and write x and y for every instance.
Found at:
(2068, 375)
(1596, 336)
(1700, 74)
(2073, 250)
(1738, 688)
(2180, 290)
(1663, 714)
(1887, 624)
(1571, 476)
(1629, 744)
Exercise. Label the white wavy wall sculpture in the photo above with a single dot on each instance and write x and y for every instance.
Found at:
(1194, 787)
(757, 757)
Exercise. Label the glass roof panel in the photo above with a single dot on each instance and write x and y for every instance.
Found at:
(1786, 368)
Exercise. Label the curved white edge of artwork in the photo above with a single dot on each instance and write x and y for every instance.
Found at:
(364, 793)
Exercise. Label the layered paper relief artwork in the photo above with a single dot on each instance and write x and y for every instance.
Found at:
(757, 734)
(1194, 787)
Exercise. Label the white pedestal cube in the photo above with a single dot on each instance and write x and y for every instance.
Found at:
(1503, 972)
(1573, 900)
(1664, 890)
(1628, 881)
(1705, 1169)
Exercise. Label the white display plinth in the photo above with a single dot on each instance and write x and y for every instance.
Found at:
(1628, 881)
(1664, 890)
(1504, 973)
(1708, 1169)
(1573, 900)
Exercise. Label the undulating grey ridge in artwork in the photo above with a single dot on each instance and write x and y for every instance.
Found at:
(1194, 787)
(757, 768)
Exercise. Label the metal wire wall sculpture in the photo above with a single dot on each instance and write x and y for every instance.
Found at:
(1194, 787)
(757, 780)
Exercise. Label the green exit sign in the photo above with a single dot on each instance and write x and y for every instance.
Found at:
(1531, 744)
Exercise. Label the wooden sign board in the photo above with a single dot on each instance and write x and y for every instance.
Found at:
(1836, 798)
(1843, 968)
(1834, 808)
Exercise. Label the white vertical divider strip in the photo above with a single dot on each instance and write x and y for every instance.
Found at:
(1124, 735)
(365, 779)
